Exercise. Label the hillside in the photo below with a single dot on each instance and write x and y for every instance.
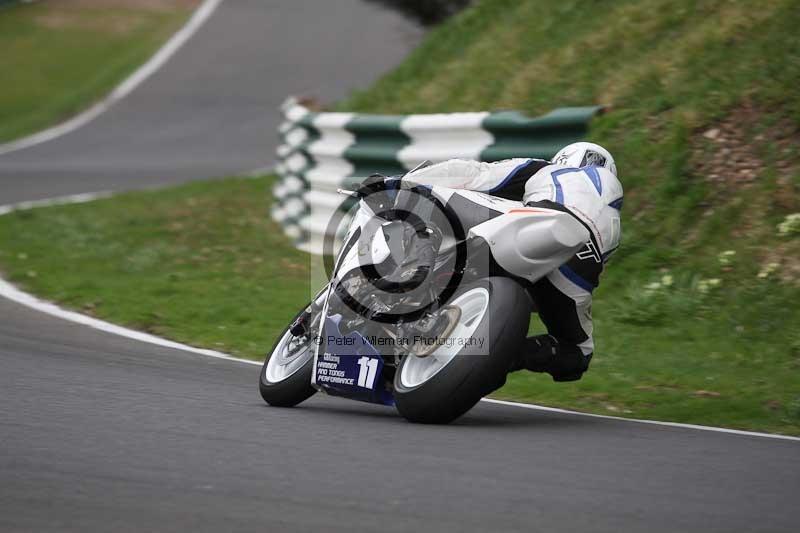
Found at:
(704, 120)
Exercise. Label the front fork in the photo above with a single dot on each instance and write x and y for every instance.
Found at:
(302, 323)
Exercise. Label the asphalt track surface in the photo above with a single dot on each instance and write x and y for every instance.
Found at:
(99, 432)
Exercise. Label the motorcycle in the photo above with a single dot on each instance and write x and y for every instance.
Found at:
(427, 303)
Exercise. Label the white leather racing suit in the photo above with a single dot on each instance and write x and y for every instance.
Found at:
(591, 194)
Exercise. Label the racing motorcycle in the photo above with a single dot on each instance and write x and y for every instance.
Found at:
(427, 303)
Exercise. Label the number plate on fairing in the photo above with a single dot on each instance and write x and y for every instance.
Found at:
(350, 366)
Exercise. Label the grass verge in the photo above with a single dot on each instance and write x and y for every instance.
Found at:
(60, 57)
(202, 264)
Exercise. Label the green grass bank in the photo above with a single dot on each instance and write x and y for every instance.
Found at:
(60, 57)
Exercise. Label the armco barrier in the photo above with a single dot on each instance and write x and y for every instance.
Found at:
(321, 152)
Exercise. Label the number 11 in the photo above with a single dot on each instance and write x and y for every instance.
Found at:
(366, 373)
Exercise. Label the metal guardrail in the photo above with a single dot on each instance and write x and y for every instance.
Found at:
(321, 152)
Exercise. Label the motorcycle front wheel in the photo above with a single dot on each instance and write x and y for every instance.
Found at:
(472, 360)
(285, 378)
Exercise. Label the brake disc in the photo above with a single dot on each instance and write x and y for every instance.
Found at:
(450, 313)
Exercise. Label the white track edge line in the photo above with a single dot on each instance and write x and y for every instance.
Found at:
(122, 90)
(643, 421)
(10, 292)
(60, 200)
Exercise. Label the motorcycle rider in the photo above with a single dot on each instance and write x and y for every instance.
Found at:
(581, 180)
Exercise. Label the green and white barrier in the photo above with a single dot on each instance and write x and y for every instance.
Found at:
(321, 152)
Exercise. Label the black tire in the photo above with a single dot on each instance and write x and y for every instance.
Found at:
(471, 374)
(291, 391)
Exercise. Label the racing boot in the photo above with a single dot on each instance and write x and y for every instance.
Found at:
(538, 353)
(543, 353)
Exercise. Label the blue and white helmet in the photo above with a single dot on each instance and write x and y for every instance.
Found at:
(583, 154)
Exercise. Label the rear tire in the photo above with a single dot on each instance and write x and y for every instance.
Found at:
(439, 396)
(290, 384)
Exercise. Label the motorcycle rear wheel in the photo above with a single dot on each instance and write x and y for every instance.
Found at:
(438, 388)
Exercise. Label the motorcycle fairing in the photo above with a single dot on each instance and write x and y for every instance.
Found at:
(349, 365)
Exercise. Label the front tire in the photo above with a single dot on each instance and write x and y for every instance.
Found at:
(439, 388)
(285, 378)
